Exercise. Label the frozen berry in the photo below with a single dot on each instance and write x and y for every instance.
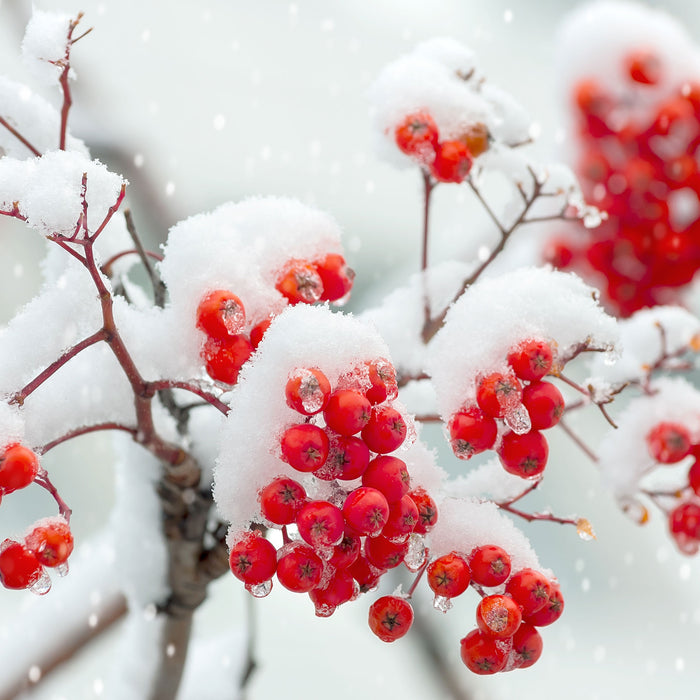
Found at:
(220, 314)
(390, 618)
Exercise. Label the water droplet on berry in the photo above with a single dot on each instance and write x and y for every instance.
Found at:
(517, 419)
(442, 603)
(415, 557)
(260, 590)
(61, 569)
(42, 585)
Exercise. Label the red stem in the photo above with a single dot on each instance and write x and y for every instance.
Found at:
(84, 430)
(192, 388)
(106, 266)
(42, 479)
(419, 575)
(19, 136)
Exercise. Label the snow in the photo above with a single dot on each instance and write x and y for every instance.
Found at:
(44, 44)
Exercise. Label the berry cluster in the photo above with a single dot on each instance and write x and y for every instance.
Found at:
(221, 314)
(523, 401)
(49, 542)
(448, 160)
(634, 165)
(345, 543)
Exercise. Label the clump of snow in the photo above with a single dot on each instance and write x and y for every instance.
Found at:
(44, 44)
(488, 480)
(440, 77)
(644, 336)
(624, 455)
(497, 313)
(11, 424)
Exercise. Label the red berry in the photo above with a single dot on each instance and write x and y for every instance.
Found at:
(427, 510)
(476, 138)
(668, 443)
(390, 618)
(529, 589)
(558, 252)
(471, 432)
(220, 314)
(403, 519)
(490, 565)
(51, 541)
(524, 455)
(348, 458)
(281, 500)
(307, 391)
(388, 475)
(531, 360)
(382, 377)
(19, 568)
(544, 403)
(366, 575)
(684, 521)
(305, 447)
(383, 553)
(643, 66)
(694, 476)
(346, 552)
(18, 468)
(258, 331)
(347, 411)
(484, 654)
(552, 610)
(498, 615)
(253, 559)
(527, 645)
(449, 575)
(366, 510)
(336, 276)
(299, 568)
(320, 524)
(223, 359)
(299, 282)
(417, 135)
(340, 589)
(385, 430)
(497, 392)
(452, 163)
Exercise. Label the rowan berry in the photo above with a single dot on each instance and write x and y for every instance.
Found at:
(527, 645)
(307, 391)
(403, 519)
(552, 610)
(220, 314)
(305, 447)
(531, 360)
(383, 553)
(51, 541)
(489, 565)
(366, 510)
(385, 430)
(258, 331)
(18, 468)
(449, 575)
(452, 163)
(427, 510)
(320, 524)
(347, 411)
(348, 458)
(336, 277)
(524, 455)
(417, 135)
(390, 618)
(497, 392)
(389, 475)
(471, 432)
(340, 589)
(498, 615)
(382, 378)
(484, 654)
(544, 404)
(346, 552)
(299, 282)
(223, 359)
(643, 66)
(668, 443)
(299, 568)
(530, 589)
(281, 500)
(253, 559)
(19, 567)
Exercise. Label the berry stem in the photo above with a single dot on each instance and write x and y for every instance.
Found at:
(418, 577)
(19, 137)
(106, 267)
(530, 517)
(84, 430)
(42, 479)
(192, 388)
(531, 487)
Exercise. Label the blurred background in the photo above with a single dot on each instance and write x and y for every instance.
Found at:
(198, 103)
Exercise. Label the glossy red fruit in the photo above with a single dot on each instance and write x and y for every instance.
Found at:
(471, 432)
(19, 567)
(385, 430)
(530, 589)
(403, 519)
(366, 511)
(220, 314)
(449, 575)
(307, 390)
(694, 476)
(551, 611)
(51, 541)
(299, 282)
(389, 475)
(366, 575)
(347, 551)
(390, 618)
(281, 500)
(668, 442)
(643, 66)
(497, 392)
(382, 378)
(299, 568)
(531, 359)
(483, 654)
(527, 645)
(417, 135)
(347, 411)
(348, 458)
(253, 559)
(18, 468)
(340, 589)
(498, 615)
(320, 524)
(427, 510)
(524, 455)
(544, 404)
(452, 163)
(383, 553)
(258, 331)
(305, 447)
(684, 520)
(223, 359)
(336, 276)
(490, 565)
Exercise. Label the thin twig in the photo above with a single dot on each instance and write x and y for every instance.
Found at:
(19, 137)
(582, 445)
(156, 282)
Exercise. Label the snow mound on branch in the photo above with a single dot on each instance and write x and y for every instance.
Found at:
(249, 455)
(495, 314)
(644, 337)
(441, 77)
(44, 44)
(11, 424)
(624, 457)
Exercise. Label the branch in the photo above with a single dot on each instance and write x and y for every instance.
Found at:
(582, 445)
(192, 388)
(84, 430)
(156, 282)
(42, 479)
(19, 137)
